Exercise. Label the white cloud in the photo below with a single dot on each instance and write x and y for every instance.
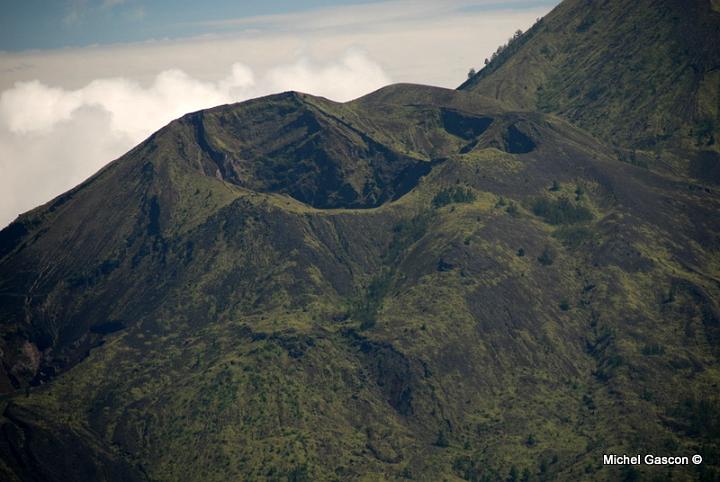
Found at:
(32, 106)
(52, 138)
(353, 76)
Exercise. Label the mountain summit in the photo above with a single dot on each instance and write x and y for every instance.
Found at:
(422, 283)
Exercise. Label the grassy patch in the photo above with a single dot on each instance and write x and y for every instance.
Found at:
(407, 232)
(574, 236)
(560, 211)
(453, 195)
(366, 309)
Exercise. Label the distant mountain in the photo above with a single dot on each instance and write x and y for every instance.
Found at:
(422, 284)
(637, 73)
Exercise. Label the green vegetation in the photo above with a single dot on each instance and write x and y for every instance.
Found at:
(705, 131)
(547, 257)
(653, 349)
(579, 192)
(502, 54)
(453, 195)
(513, 210)
(406, 232)
(575, 236)
(561, 211)
(366, 309)
(442, 440)
(700, 416)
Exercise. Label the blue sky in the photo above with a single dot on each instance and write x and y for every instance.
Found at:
(43, 24)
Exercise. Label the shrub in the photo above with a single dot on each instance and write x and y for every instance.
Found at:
(442, 440)
(366, 309)
(579, 191)
(560, 211)
(453, 195)
(546, 258)
(443, 265)
(298, 474)
(574, 236)
(704, 131)
(525, 475)
(653, 350)
(469, 468)
(406, 232)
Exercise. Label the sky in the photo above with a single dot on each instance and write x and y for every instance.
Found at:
(83, 81)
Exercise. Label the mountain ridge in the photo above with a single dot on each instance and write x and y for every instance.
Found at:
(637, 74)
(272, 290)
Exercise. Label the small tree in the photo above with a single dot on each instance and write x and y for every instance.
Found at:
(487, 61)
(546, 258)
(471, 73)
(579, 191)
(442, 440)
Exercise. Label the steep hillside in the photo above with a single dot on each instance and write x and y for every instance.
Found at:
(641, 74)
(419, 284)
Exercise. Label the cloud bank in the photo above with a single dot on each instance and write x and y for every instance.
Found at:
(53, 138)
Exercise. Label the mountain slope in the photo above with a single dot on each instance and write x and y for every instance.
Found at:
(416, 284)
(639, 74)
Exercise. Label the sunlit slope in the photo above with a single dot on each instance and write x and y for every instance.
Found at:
(641, 74)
